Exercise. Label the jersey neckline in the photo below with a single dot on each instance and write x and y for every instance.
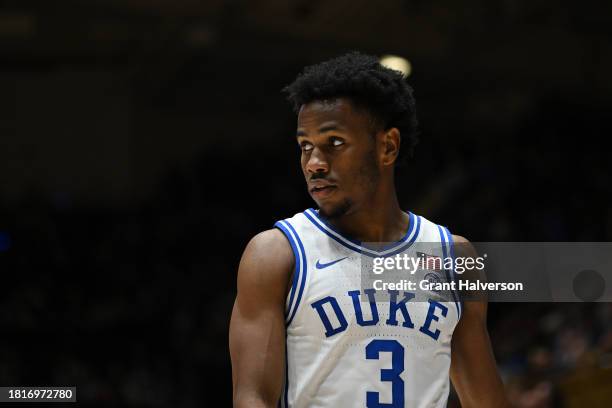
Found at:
(414, 225)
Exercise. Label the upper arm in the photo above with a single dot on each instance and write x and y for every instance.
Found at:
(473, 370)
(257, 328)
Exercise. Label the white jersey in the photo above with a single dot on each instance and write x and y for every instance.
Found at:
(346, 346)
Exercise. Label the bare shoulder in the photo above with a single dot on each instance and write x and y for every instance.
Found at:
(269, 248)
(463, 247)
(460, 240)
(475, 305)
(267, 260)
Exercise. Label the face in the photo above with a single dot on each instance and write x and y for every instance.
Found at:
(339, 157)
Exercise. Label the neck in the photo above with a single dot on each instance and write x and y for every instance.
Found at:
(379, 219)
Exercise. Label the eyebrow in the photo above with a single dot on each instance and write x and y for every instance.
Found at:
(322, 129)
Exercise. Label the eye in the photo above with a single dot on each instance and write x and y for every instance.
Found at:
(305, 146)
(336, 141)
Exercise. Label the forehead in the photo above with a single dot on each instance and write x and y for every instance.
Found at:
(338, 111)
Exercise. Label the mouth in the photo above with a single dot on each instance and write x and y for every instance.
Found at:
(322, 191)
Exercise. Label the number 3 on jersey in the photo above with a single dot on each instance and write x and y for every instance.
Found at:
(373, 350)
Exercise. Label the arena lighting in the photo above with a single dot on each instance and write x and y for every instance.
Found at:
(396, 63)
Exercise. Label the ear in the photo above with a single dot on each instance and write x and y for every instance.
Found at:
(390, 143)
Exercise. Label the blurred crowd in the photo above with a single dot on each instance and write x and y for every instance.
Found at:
(555, 355)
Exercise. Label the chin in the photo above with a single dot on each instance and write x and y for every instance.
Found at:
(335, 209)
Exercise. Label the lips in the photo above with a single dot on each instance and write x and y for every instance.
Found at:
(322, 189)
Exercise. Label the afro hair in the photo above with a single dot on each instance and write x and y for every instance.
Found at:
(382, 92)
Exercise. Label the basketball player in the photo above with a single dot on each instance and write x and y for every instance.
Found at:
(301, 333)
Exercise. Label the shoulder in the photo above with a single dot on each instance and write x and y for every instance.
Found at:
(476, 307)
(460, 240)
(463, 246)
(267, 259)
(269, 245)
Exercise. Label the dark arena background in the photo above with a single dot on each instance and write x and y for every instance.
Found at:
(143, 142)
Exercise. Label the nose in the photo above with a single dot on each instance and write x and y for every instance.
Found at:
(317, 162)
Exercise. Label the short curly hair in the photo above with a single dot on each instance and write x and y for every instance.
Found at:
(382, 92)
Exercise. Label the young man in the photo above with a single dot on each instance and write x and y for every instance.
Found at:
(303, 332)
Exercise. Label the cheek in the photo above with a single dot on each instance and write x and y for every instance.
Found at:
(366, 170)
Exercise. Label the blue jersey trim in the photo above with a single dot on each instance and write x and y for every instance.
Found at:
(444, 253)
(358, 243)
(296, 273)
(304, 273)
(452, 255)
(312, 211)
(316, 224)
(395, 248)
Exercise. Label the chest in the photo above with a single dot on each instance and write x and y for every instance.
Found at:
(344, 298)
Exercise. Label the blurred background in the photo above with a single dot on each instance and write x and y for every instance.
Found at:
(143, 142)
